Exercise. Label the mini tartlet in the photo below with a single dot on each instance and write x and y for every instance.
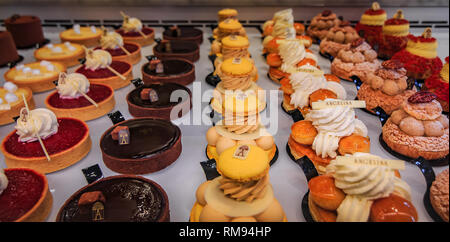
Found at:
(232, 46)
(8, 49)
(120, 51)
(38, 76)
(87, 36)
(439, 195)
(349, 193)
(11, 101)
(242, 193)
(133, 31)
(418, 128)
(438, 84)
(321, 24)
(24, 196)
(183, 33)
(66, 140)
(176, 70)
(66, 53)
(370, 26)
(177, 49)
(386, 88)
(123, 198)
(395, 36)
(338, 37)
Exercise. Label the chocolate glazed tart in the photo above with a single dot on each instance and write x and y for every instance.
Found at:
(180, 49)
(187, 34)
(163, 107)
(154, 145)
(128, 198)
(177, 70)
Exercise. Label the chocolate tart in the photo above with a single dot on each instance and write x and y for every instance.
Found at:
(26, 30)
(7, 116)
(9, 55)
(68, 146)
(177, 70)
(137, 38)
(128, 198)
(106, 77)
(81, 108)
(86, 36)
(67, 57)
(27, 197)
(120, 55)
(180, 49)
(163, 107)
(186, 34)
(154, 145)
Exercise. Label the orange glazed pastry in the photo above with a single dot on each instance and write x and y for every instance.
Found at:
(339, 37)
(67, 53)
(87, 36)
(11, 101)
(321, 24)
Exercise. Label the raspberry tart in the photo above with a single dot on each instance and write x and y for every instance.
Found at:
(177, 70)
(67, 53)
(438, 84)
(113, 43)
(370, 26)
(11, 101)
(87, 36)
(133, 31)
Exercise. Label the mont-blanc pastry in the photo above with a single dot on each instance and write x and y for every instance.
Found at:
(11, 101)
(88, 36)
(227, 27)
(395, 35)
(338, 37)
(120, 51)
(370, 26)
(233, 46)
(132, 30)
(67, 53)
(321, 24)
(438, 84)
(226, 13)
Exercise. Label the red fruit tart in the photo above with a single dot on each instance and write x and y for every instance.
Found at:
(24, 196)
(66, 141)
(99, 68)
(177, 49)
(420, 56)
(132, 30)
(395, 35)
(113, 43)
(370, 26)
(175, 70)
(77, 98)
(438, 84)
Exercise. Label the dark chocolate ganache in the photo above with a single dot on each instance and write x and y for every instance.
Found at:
(171, 68)
(126, 200)
(185, 32)
(178, 47)
(147, 138)
(169, 94)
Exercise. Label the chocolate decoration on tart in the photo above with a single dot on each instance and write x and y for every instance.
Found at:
(184, 33)
(178, 49)
(124, 198)
(162, 107)
(154, 145)
(177, 70)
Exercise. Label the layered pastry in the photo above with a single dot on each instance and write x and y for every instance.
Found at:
(24, 196)
(183, 33)
(227, 13)
(75, 97)
(38, 76)
(359, 59)
(321, 24)
(438, 84)
(242, 193)
(338, 37)
(8, 49)
(354, 192)
(66, 141)
(283, 15)
(229, 26)
(175, 70)
(133, 31)
(88, 36)
(113, 43)
(177, 49)
(439, 195)
(292, 54)
(11, 101)
(308, 84)
(99, 68)
(326, 133)
(123, 198)
(420, 56)
(395, 36)
(370, 26)
(386, 88)
(26, 30)
(232, 46)
(240, 125)
(66, 53)
(418, 128)
(165, 100)
(141, 145)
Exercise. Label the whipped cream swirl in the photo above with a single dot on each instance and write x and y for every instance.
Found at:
(98, 59)
(111, 40)
(132, 25)
(292, 51)
(70, 86)
(41, 121)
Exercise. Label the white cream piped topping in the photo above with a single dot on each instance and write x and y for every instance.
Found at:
(71, 86)
(41, 121)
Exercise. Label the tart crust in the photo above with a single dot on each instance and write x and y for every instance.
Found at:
(182, 79)
(142, 41)
(68, 61)
(192, 56)
(133, 58)
(6, 116)
(86, 41)
(115, 82)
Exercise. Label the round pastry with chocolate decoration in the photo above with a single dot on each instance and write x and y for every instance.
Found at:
(177, 49)
(76, 97)
(439, 195)
(321, 24)
(176, 70)
(347, 192)
(26, 30)
(233, 46)
(338, 37)
(99, 68)
(418, 128)
(165, 100)
(395, 36)
(242, 193)
(45, 143)
(132, 30)
(438, 84)
(24, 196)
(88, 36)
(66, 53)
(359, 59)
(8, 49)
(38, 76)
(183, 33)
(370, 26)
(420, 56)
(123, 198)
(141, 145)
(113, 43)
(387, 88)
(11, 101)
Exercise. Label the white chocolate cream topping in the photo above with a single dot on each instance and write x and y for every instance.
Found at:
(98, 59)
(40, 121)
(71, 85)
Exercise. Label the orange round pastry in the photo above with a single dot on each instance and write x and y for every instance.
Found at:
(303, 132)
(11, 101)
(321, 95)
(354, 143)
(393, 209)
(324, 193)
(66, 53)
(87, 36)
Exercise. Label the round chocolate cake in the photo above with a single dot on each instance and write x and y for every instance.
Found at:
(175, 70)
(178, 49)
(184, 33)
(7, 49)
(26, 30)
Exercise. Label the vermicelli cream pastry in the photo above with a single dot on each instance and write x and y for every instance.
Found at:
(232, 46)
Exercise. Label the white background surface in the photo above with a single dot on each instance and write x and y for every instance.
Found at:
(181, 179)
